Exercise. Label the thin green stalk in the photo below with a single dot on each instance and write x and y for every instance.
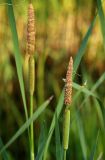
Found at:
(66, 130)
(31, 130)
(64, 158)
(31, 91)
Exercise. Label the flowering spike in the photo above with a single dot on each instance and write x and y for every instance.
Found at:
(31, 30)
(68, 85)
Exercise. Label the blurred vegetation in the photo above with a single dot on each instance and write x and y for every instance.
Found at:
(60, 28)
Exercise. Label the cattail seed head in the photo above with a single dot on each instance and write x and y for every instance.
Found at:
(31, 30)
(66, 128)
(68, 85)
(31, 75)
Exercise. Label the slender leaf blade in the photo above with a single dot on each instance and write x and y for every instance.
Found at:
(94, 147)
(57, 140)
(42, 142)
(81, 136)
(82, 48)
(52, 126)
(17, 54)
(4, 153)
(26, 124)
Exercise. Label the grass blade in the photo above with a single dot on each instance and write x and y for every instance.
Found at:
(17, 54)
(81, 135)
(58, 111)
(94, 147)
(59, 154)
(52, 126)
(42, 142)
(84, 90)
(89, 93)
(99, 81)
(4, 153)
(27, 123)
(81, 51)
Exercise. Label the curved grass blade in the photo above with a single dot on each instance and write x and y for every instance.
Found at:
(17, 54)
(99, 81)
(27, 123)
(42, 142)
(59, 154)
(84, 90)
(99, 114)
(81, 136)
(100, 109)
(94, 147)
(4, 153)
(89, 93)
(52, 126)
(82, 48)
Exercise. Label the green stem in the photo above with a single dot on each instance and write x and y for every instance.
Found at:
(64, 154)
(31, 130)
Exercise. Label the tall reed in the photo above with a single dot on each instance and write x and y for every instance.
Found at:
(67, 102)
(30, 51)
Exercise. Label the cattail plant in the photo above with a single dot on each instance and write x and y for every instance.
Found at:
(30, 51)
(67, 102)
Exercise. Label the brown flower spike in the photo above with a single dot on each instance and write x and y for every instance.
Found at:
(68, 85)
(31, 30)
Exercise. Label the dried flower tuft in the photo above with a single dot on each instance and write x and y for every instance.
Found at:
(31, 30)
(68, 85)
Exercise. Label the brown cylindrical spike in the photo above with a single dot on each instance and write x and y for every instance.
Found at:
(68, 85)
(31, 30)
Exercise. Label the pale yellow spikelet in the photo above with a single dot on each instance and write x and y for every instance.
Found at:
(66, 128)
(68, 84)
(31, 30)
(31, 75)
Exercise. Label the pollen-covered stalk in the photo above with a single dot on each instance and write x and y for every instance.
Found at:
(67, 102)
(30, 51)
(68, 84)
(31, 30)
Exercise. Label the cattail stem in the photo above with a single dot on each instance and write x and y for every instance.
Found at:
(31, 91)
(66, 130)
(64, 154)
(31, 130)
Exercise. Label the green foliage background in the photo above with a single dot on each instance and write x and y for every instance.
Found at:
(63, 29)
